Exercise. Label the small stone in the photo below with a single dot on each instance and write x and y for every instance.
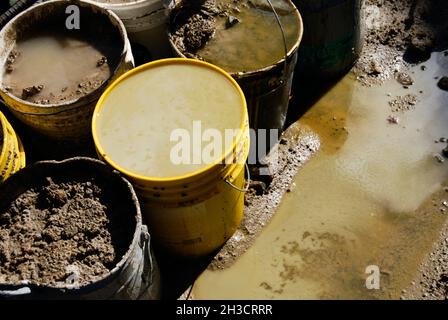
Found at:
(445, 152)
(31, 91)
(443, 83)
(102, 61)
(443, 140)
(445, 204)
(439, 158)
(231, 21)
(393, 119)
(404, 79)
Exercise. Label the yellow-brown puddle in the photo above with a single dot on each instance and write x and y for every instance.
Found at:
(371, 196)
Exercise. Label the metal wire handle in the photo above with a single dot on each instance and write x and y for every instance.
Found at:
(246, 188)
(285, 45)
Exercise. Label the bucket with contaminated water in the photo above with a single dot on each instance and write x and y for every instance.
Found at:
(255, 41)
(56, 59)
(178, 129)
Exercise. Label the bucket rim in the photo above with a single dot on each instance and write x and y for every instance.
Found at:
(158, 63)
(243, 74)
(88, 98)
(4, 129)
(126, 5)
(73, 288)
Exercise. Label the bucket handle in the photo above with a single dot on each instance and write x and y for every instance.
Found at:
(285, 45)
(246, 188)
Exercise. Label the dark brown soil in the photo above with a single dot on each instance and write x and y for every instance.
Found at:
(193, 25)
(399, 33)
(63, 232)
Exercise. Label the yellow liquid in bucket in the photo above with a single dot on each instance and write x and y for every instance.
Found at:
(138, 116)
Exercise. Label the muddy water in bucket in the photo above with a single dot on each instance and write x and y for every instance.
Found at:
(50, 67)
(257, 42)
(246, 39)
(52, 75)
(179, 108)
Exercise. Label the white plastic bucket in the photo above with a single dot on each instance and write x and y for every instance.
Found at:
(145, 22)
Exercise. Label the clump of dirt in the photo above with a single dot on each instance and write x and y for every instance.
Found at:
(399, 33)
(12, 57)
(63, 232)
(404, 78)
(403, 103)
(193, 25)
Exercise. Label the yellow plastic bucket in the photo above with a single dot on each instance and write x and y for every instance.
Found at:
(193, 214)
(12, 155)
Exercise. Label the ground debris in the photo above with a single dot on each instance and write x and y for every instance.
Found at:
(403, 103)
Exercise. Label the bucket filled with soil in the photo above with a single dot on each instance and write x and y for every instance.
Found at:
(256, 41)
(73, 230)
(12, 155)
(54, 65)
(145, 21)
(192, 192)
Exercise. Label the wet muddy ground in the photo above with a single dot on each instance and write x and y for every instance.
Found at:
(374, 193)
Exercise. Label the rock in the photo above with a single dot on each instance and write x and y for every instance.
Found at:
(31, 91)
(445, 152)
(393, 119)
(443, 83)
(231, 21)
(101, 61)
(439, 158)
(404, 79)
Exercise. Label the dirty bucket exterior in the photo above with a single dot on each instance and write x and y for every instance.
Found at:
(201, 224)
(267, 90)
(136, 276)
(68, 120)
(333, 37)
(145, 22)
(195, 214)
(12, 155)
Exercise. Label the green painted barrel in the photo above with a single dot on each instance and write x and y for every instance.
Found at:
(332, 39)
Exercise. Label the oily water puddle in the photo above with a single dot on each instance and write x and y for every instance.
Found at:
(371, 196)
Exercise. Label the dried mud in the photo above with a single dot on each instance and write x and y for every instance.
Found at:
(399, 33)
